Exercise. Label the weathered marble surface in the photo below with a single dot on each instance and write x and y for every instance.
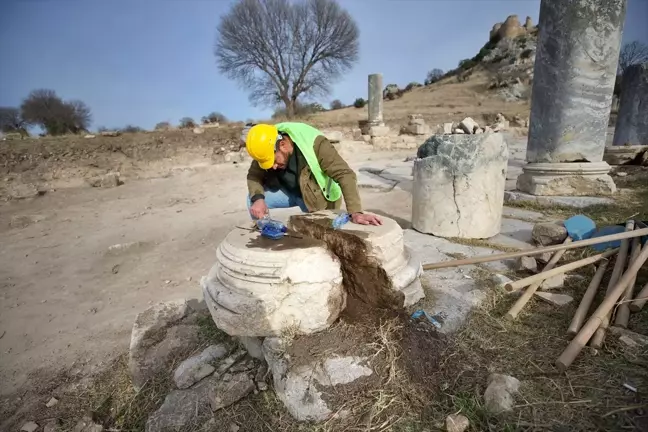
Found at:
(632, 120)
(375, 96)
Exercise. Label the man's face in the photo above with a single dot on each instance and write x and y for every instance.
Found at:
(283, 152)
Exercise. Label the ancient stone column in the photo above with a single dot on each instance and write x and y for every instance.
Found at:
(632, 120)
(375, 102)
(458, 188)
(574, 74)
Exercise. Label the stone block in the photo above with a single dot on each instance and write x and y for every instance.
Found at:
(262, 287)
(459, 184)
(468, 125)
(378, 268)
(500, 394)
(379, 131)
(554, 298)
(417, 129)
(333, 136)
(382, 143)
(306, 387)
(195, 368)
(624, 155)
(548, 233)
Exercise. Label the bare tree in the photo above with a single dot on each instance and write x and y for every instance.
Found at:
(187, 123)
(163, 126)
(12, 121)
(632, 53)
(433, 76)
(337, 104)
(44, 108)
(283, 51)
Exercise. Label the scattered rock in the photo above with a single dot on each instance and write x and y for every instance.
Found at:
(53, 425)
(261, 376)
(627, 340)
(457, 423)
(302, 387)
(621, 174)
(195, 368)
(198, 130)
(459, 131)
(23, 221)
(182, 407)
(110, 133)
(108, 180)
(548, 233)
(630, 337)
(53, 401)
(500, 393)
(468, 125)
(24, 191)
(544, 257)
(333, 136)
(234, 427)
(253, 345)
(557, 281)
(157, 337)
(226, 364)
(86, 424)
(526, 264)
(225, 393)
(447, 128)
(554, 298)
(29, 427)
(89, 136)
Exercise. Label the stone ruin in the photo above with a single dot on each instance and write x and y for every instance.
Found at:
(459, 182)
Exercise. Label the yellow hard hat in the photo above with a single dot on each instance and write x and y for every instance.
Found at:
(260, 144)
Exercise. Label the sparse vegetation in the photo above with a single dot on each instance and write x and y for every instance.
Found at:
(187, 123)
(359, 103)
(337, 104)
(163, 126)
(57, 117)
(131, 129)
(433, 76)
(313, 43)
(214, 117)
(11, 121)
(412, 86)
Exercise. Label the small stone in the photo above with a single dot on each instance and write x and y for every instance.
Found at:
(108, 180)
(53, 401)
(526, 264)
(53, 425)
(86, 424)
(459, 131)
(628, 341)
(29, 427)
(198, 130)
(548, 233)
(189, 278)
(621, 174)
(89, 136)
(224, 394)
(253, 346)
(234, 427)
(457, 423)
(500, 393)
(468, 125)
(557, 281)
(544, 257)
(198, 367)
(557, 299)
(447, 128)
(479, 131)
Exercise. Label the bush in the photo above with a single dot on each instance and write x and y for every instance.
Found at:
(412, 85)
(300, 110)
(163, 126)
(433, 76)
(131, 129)
(359, 103)
(187, 123)
(214, 117)
(337, 104)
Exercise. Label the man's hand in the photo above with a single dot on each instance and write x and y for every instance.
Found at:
(365, 219)
(258, 209)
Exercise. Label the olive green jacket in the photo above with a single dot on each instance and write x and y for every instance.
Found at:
(331, 163)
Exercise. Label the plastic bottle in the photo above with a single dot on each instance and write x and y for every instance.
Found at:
(270, 228)
(340, 220)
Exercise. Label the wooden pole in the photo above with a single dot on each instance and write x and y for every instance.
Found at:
(577, 344)
(518, 284)
(617, 272)
(536, 251)
(623, 311)
(524, 298)
(641, 298)
(586, 302)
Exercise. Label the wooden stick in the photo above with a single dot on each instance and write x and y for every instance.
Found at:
(518, 284)
(641, 298)
(586, 302)
(617, 272)
(536, 251)
(577, 344)
(524, 298)
(623, 311)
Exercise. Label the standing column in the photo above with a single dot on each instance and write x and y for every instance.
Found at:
(375, 100)
(632, 121)
(573, 83)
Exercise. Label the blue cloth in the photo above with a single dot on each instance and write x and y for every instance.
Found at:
(280, 198)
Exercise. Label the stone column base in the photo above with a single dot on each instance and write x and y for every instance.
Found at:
(622, 155)
(575, 179)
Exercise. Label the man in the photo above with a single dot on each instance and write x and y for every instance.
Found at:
(294, 165)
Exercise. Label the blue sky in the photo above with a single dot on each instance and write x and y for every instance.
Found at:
(144, 61)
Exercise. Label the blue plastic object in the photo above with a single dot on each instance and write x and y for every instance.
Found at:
(580, 227)
(608, 230)
(421, 313)
(272, 229)
(341, 220)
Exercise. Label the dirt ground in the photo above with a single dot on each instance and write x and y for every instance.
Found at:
(68, 297)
